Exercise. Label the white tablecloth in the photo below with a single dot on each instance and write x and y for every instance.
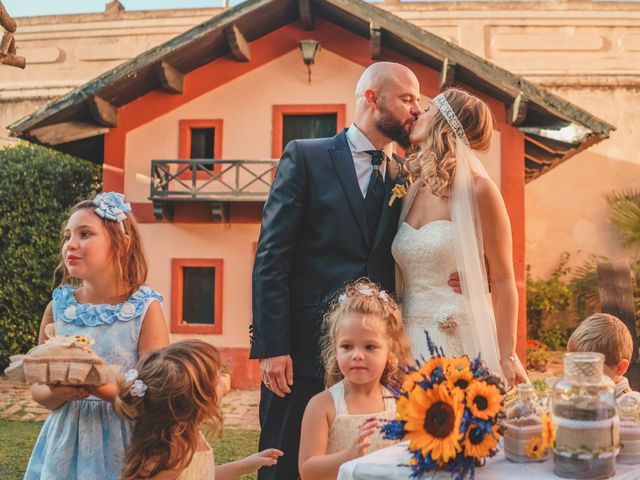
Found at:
(384, 465)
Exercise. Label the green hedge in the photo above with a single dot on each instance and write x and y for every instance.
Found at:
(37, 187)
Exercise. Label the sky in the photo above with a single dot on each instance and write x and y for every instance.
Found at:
(28, 8)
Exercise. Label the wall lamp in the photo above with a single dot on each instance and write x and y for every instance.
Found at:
(309, 49)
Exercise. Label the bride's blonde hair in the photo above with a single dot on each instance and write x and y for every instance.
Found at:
(435, 163)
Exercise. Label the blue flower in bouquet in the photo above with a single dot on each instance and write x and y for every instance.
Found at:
(448, 409)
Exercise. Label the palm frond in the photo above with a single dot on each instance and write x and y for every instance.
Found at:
(625, 214)
(586, 296)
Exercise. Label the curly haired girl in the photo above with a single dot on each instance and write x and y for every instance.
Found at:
(173, 392)
(363, 350)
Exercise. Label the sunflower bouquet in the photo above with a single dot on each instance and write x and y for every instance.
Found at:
(449, 410)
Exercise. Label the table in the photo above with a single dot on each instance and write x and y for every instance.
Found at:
(384, 465)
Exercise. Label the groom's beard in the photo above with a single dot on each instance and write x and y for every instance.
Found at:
(391, 127)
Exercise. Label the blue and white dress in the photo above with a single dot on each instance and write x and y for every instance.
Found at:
(86, 439)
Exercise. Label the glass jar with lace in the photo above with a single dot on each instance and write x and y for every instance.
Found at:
(629, 411)
(587, 430)
(524, 439)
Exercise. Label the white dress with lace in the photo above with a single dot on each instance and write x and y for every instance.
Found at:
(344, 429)
(425, 258)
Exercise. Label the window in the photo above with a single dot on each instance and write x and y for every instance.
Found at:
(202, 143)
(308, 126)
(201, 139)
(291, 122)
(196, 299)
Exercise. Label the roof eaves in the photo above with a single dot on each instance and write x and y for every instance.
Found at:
(130, 67)
(506, 81)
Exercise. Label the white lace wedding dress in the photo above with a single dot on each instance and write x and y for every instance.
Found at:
(425, 259)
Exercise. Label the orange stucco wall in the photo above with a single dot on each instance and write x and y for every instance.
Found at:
(234, 244)
(246, 108)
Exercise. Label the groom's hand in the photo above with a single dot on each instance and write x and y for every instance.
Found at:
(454, 282)
(277, 374)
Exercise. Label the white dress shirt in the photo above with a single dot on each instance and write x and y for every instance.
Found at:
(359, 144)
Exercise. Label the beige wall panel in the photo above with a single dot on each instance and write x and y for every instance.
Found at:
(566, 208)
(563, 48)
(232, 243)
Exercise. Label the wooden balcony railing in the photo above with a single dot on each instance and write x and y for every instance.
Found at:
(215, 181)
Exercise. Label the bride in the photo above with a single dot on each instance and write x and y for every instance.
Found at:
(454, 219)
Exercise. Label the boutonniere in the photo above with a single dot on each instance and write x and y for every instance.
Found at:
(399, 189)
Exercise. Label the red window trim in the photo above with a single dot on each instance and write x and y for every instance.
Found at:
(184, 150)
(279, 111)
(177, 324)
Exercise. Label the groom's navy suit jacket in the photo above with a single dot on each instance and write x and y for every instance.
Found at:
(314, 239)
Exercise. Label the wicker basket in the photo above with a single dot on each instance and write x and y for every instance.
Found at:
(65, 360)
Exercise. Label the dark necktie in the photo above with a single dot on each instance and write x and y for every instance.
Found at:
(377, 156)
(375, 192)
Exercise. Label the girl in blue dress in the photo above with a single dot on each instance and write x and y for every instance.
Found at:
(102, 295)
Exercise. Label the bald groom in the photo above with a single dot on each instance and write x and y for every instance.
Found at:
(324, 224)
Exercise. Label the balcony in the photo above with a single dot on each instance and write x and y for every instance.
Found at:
(216, 182)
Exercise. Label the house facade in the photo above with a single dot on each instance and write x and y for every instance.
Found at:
(583, 50)
(191, 131)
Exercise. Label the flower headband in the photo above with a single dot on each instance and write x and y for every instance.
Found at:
(367, 292)
(111, 206)
(138, 388)
(450, 117)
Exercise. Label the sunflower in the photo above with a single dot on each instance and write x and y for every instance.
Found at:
(433, 422)
(548, 432)
(407, 386)
(483, 400)
(535, 448)
(460, 378)
(401, 406)
(478, 443)
(430, 365)
(458, 364)
(410, 381)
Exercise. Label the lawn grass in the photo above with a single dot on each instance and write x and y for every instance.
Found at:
(16, 442)
(17, 439)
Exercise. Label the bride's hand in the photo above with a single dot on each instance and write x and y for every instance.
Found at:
(512, 372)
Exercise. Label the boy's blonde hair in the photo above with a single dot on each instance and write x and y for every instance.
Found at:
(365, 297)
(603, 333)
